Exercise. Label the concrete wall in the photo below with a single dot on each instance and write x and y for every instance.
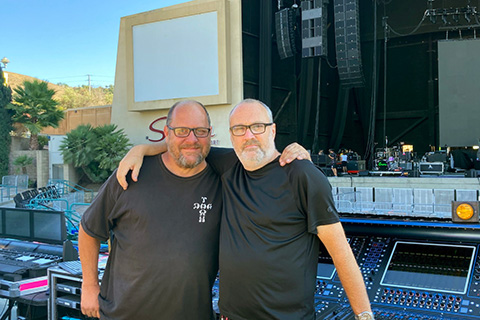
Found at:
(19, 143)
(38, 170)
(69, 172)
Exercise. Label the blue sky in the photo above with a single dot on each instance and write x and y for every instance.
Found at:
(63, 41)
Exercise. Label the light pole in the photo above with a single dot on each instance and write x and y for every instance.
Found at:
(4, 61)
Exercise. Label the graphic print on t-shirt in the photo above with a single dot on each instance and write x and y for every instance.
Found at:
(202, 209)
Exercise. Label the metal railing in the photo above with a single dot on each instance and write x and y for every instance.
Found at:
(11, 185)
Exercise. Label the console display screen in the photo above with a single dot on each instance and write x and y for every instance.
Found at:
(429, 266)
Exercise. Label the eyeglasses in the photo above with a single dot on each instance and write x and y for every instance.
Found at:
(255, 128)
(183, 132)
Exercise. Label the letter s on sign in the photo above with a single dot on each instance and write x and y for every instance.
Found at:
(152, 128)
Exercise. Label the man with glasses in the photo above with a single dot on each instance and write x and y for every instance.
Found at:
(273, 219)
(164, 256)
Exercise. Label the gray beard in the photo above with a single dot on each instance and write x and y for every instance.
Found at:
(182, 162)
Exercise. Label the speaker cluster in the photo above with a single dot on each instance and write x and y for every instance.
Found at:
(347, 42)
(314, 18)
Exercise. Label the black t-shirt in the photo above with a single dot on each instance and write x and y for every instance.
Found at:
(268, 240)
(164, 258)
(333, 158)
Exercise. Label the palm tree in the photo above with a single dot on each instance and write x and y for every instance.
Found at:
(35, 109)
(96, 151)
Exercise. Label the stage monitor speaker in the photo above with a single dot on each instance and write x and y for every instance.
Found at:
(328, 172)
(322, 160)
(314, 28)
(285, 30)
(465, 211)
(347, 43)
(353, 166)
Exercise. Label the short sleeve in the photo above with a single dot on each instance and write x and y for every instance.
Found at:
(313, 194)
(97, 221)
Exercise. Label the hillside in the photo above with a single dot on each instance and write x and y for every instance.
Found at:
(69, 97)
(15, 80)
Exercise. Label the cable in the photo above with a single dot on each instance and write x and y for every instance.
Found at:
(385, 79)
(71, 222)
(29, 313)
(413, 31)
(317, 115)
(328, 62)
(68, 77)
(371, 129)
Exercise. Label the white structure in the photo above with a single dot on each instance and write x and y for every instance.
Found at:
(57, 169)
(188, 51)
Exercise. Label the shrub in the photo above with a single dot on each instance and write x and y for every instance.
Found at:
(96, 151)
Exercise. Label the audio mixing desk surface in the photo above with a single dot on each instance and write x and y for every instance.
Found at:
(413, 269)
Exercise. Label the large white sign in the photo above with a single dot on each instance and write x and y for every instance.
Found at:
(176, 58)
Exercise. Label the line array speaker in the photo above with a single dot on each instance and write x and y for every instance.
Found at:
(314, 28)
(347, 42)
(285, 30)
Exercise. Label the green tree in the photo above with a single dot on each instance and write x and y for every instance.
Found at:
(35, 108)
(5, 125)
(96, 151)
(83, 96)
(23, 162)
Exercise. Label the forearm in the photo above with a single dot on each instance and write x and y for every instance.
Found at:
(352, 282)
(152, 148)
(88, 248)
(334, 239)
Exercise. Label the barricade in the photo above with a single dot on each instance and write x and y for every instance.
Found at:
(426, 203)
(11, 185)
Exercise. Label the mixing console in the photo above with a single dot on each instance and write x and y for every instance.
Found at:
(412, 271)
(419, 272)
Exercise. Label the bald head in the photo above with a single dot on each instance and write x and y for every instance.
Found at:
(254, 102)
(188, 103)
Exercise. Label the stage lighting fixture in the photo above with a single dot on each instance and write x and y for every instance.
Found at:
(456, 17)
(444, 19)
(467, 17)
